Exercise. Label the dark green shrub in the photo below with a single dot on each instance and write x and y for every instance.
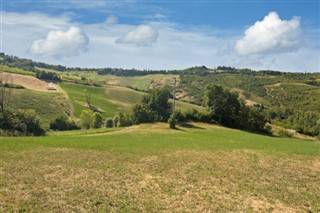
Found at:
(109, 123)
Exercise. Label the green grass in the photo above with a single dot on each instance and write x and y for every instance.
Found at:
(139, 82)
(111, 99)
(99, 99)
(151, 168)
(47, 105)
(15, 70)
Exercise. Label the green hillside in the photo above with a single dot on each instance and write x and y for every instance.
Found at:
(153, 168)
(47, 105)
(109, 99)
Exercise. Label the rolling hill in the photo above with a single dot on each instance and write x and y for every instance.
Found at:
(289, 100)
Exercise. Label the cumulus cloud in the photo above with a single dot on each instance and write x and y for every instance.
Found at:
(271, 35)
(142, 35)
(61, 43)
(111, 20)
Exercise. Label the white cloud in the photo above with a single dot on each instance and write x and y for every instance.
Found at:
(142, 35)
(176, 48)
(271, 35)
(110, 20)
(61, 43)
(33, 19)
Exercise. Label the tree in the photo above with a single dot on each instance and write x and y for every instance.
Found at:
(109, 123)
(223, 106)
(87, 95)
(154, 107)
(96, 120)
(85, 118)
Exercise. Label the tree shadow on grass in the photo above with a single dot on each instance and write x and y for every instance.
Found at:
(191, 126)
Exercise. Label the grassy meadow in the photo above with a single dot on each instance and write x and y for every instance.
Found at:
(151, 168)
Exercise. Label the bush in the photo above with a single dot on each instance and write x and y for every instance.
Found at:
(27, 122)
(116, 120)
(109, 123)
(124, 120)
(62, 123)
(172, 122)
(96, 120)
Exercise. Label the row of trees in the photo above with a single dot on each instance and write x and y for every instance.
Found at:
(223, 107)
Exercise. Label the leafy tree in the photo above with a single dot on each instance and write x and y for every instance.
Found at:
(85, 118)
(141, 114)
(96, 120)
(154, 107)
(109, 123)
(223, 106)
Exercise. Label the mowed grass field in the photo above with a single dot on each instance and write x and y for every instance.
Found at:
(151, 168)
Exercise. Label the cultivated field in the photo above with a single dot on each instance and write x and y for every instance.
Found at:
(151, 168)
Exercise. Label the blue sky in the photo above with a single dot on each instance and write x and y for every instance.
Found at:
(279, 35)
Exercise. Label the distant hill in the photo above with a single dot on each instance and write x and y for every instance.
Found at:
(289, 100)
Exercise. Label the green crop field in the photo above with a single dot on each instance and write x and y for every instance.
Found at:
(151, 168)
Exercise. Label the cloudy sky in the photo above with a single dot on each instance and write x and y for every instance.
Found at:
(279, 35)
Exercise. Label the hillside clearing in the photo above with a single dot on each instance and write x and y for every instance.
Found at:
(197, 168)
(30, 82)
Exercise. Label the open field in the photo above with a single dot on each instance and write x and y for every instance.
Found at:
(151, 168)
(139, 82)
(29, 82)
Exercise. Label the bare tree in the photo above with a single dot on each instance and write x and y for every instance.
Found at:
(87, 95)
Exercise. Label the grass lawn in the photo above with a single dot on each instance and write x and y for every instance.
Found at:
(151, 168)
